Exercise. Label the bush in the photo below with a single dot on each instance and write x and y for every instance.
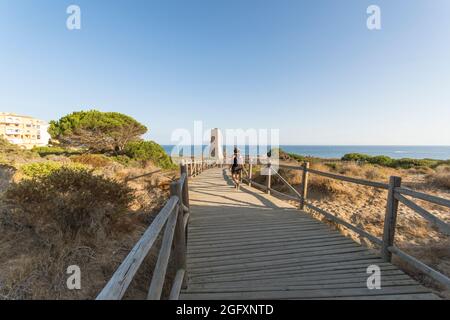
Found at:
(93, 160)
(45, 151)
(149, 150)
(123, 160)
(405, 163)
(11, 154)
(70, 202)
(355, 157)
(440, 178)
(42, 169)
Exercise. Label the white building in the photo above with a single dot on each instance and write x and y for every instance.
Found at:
(24, 131)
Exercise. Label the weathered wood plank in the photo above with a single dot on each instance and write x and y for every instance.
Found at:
(159, 274)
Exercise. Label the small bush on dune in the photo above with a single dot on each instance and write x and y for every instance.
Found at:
(42, 169)
(69, 202)
(440, 178)
(12, 154)
(44, 151)
(93, 160)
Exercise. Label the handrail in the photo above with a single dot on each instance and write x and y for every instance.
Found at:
(142, 175)
(440, 224)
(395, 196)
(423, 196)
(175, 217)
(117, 286)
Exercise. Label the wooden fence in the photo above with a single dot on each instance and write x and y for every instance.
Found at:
(174, 218)
(396, 195)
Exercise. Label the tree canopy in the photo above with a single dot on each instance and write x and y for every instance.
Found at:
(97, 131)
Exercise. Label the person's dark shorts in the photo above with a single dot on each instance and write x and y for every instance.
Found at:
(236, 169)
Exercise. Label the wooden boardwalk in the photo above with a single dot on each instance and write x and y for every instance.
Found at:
(249, 245)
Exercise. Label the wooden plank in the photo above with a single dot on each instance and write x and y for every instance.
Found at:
(423, 196)
(272, 254)
(247, 266)
(413, 296)
(434, 220)
(439, 277)
(304, 191)
(227, 251)
(300, 294)
(313, 270)
(356, 283)
(176, 286)
(159, 273)
(254, 233)
(266, 239)
(368, 183)
(345, 224)
(390, 219)
(118, 284)
(299, 280)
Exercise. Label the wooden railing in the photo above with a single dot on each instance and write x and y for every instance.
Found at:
(396, 195)
(174, 218)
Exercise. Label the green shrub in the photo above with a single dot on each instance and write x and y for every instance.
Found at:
(123, 160)
(355, 157)
(405, 163)
(42, 169)
(45, 151)
(70, 202)
(149, 150)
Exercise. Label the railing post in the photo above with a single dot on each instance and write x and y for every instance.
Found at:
(180, 237)
(268, 178)
(183, 170)
(304, 193)
(250, 169)
(390, 219)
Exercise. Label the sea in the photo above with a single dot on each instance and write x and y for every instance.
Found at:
(335, 152)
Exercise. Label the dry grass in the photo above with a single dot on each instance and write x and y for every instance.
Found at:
(440, 178)
(35, 250)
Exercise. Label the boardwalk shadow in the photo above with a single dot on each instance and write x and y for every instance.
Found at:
(258, 196)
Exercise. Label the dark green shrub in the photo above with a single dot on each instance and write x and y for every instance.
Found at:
(149, 151)
(355, 157)
(405, 163)
(381, 160)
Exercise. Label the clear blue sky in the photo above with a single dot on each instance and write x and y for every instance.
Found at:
(310, 68)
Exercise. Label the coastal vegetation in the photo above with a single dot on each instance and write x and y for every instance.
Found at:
(70, 202)
(385, 161)
(73, 203)
(97, 131)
